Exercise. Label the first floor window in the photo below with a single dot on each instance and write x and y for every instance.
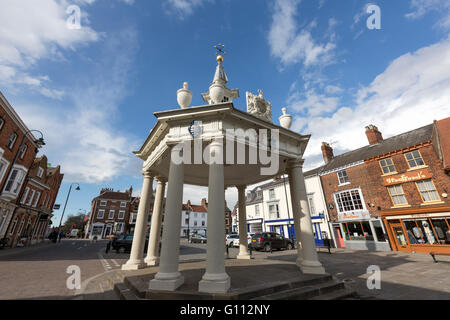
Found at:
(23, 151)
(31, 197)
(312, 209)
(36, 199)
(11, 180)
(257, 210)
(387, 165)
(274, 212)
(397, 195)
(25, 194)
(101, 214)
(111, 214)
(121, 214)
(428, 191)
(349, 201)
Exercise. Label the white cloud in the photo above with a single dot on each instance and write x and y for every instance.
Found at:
(413, 91)
(183, 8)
(422, 7)
(292, 46)
(33, 30)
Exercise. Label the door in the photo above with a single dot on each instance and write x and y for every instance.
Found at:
(400, 239)
(338, 235)
(318, 235)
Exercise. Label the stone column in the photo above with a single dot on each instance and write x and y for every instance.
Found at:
(215, 279)
(152, 258)
(307, 255)
(243, 241)
(168, 277)
(136, 260)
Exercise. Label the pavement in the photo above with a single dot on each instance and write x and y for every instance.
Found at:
(40, 272)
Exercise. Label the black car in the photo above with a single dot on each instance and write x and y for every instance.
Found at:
(270, 240)
(123, 243)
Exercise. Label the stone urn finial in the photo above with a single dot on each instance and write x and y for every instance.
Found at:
(286, 119)
(184, 96)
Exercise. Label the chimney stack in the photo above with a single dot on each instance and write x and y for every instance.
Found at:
(204, 203)
(373, 135)
(327, 152)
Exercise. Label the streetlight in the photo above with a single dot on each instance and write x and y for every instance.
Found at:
(40, 142)
(189, 223)
(64, 210)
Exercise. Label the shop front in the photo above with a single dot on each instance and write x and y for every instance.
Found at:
(422, 230)
(359, 231)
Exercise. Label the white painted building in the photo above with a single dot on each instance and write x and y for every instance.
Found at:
(194, 218)
(269, 208)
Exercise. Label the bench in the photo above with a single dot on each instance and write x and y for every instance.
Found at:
(433, 254)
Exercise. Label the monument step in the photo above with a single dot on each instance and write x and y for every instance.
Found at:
(306, 292)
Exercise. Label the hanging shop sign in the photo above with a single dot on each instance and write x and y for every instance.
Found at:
(407, 177)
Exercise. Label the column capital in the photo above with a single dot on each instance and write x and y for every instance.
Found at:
(161, 180)
(295, 163)
(241, 187)
(148, 174)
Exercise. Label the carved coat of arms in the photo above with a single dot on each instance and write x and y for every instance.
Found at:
(257, 106)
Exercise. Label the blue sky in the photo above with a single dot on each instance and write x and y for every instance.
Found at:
(93, 91)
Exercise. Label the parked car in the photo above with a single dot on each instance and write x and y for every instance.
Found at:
(198, 238)
(122, 243)
(270, 240)
(232, 240)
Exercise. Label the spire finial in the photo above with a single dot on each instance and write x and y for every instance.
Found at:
(220, 52)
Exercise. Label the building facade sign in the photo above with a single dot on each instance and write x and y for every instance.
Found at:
(407, 177)
(354, 215)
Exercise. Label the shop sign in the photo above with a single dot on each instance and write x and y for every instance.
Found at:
(420, 216)
(407, 177)
(354, 215)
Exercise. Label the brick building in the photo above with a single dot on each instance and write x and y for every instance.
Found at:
(393, 189)
(35, 203)
(12, 132)
(110, 213)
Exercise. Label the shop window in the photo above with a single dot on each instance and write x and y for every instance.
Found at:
(379, 231)
(414, 159)
(387, 166)
(415, 235)
(397, 195)
(367, 231)
(428, 191)
(441, 229)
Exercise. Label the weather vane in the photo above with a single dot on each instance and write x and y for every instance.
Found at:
(219, 49)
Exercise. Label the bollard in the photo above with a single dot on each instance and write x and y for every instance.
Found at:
(228, 253)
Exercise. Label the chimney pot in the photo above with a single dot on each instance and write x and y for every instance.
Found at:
(373, 135)
(327, 152)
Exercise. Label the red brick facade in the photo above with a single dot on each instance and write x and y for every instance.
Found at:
(110, 213)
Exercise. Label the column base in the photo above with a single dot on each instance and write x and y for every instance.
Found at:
(134, 265)
(151, 261)
(311, 267)
(214, 286)
(164, 284)
(244, 257)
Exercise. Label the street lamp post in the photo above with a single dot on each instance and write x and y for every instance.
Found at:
(64, 210)
(189, 223)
